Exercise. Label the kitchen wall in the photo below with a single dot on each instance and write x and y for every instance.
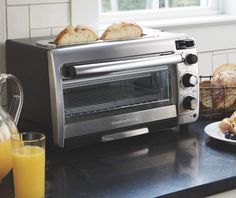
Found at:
(208, 61)
(30, 18)
(216, 44)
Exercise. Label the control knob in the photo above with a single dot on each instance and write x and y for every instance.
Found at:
(191, 59)
(190, 103)
(189, 80)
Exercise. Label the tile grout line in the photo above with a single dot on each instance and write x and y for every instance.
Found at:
(41, 28)
(24, 4)
(29, 21)
(212, 62)
(6, 18)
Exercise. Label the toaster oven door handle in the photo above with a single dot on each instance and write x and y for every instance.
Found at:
(115, 66)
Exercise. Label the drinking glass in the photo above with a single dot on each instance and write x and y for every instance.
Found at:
(28, 159)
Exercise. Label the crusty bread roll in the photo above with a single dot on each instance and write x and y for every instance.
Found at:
(73, 35)
(224, 97)
(223, 68)
(122, 31)
(206, 94)
(233, 122)
(220, 92)
(225, 125)
(233, 118)
(228, 124)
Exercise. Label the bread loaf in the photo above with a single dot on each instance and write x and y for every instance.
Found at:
(224, 89)
(73, 35)
(224, 68)
(122, 31)
(206, 94)
(222, 94)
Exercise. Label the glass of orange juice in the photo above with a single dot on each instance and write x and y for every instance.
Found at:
(28, 159)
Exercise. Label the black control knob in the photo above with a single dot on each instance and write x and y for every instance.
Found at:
(191, 59)
(190, 103)
(189, 80)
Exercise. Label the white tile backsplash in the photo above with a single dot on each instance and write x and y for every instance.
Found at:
(49, 15)
(219, 59)
(205, 63)
(232, 58)
(56, 30)
(2, 35)
(22, 2)
(40, 32)
(18, 21)
(227, 51)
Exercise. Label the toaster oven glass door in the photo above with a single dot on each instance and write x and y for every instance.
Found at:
(120, 92)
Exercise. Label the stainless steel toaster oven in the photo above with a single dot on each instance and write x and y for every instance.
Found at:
(108, 89)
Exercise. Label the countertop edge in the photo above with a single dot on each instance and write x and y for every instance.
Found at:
(209, 189)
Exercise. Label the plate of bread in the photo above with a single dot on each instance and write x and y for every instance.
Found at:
(224, 130)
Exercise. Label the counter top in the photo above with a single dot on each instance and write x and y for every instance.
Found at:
(179, 162)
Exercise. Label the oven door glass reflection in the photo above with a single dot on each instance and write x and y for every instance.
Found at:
(127, 91)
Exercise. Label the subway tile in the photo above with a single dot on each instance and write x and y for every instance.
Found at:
(232, 58)
(49, 15)
(18, 21)
(227, 51)
(22, 2)
(2, 22)
(205, 63)
(40, 32)
(219, 59)
(57, 30)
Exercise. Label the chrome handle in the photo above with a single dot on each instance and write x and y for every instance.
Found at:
(115, 66)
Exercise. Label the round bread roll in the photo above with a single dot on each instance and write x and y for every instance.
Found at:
(233, 118)
(122, 30)
(233, 129)
(74, 35)
(224, 68)
(224, 97)
(225, 125)
(206, 94)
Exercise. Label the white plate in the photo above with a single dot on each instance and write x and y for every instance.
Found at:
(213, 131)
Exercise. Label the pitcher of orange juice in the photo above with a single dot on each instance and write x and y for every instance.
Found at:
(9, 120)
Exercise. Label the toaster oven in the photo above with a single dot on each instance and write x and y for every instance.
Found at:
(108, 89)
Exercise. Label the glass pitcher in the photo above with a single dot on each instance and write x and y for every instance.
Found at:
(8, 121)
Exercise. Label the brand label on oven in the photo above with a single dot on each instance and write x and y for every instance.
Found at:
(127, 120)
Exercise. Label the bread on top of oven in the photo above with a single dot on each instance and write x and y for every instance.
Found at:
(122, 30)
(73, 35)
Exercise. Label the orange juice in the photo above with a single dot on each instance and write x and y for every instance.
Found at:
(29, 171)
(5, 158)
